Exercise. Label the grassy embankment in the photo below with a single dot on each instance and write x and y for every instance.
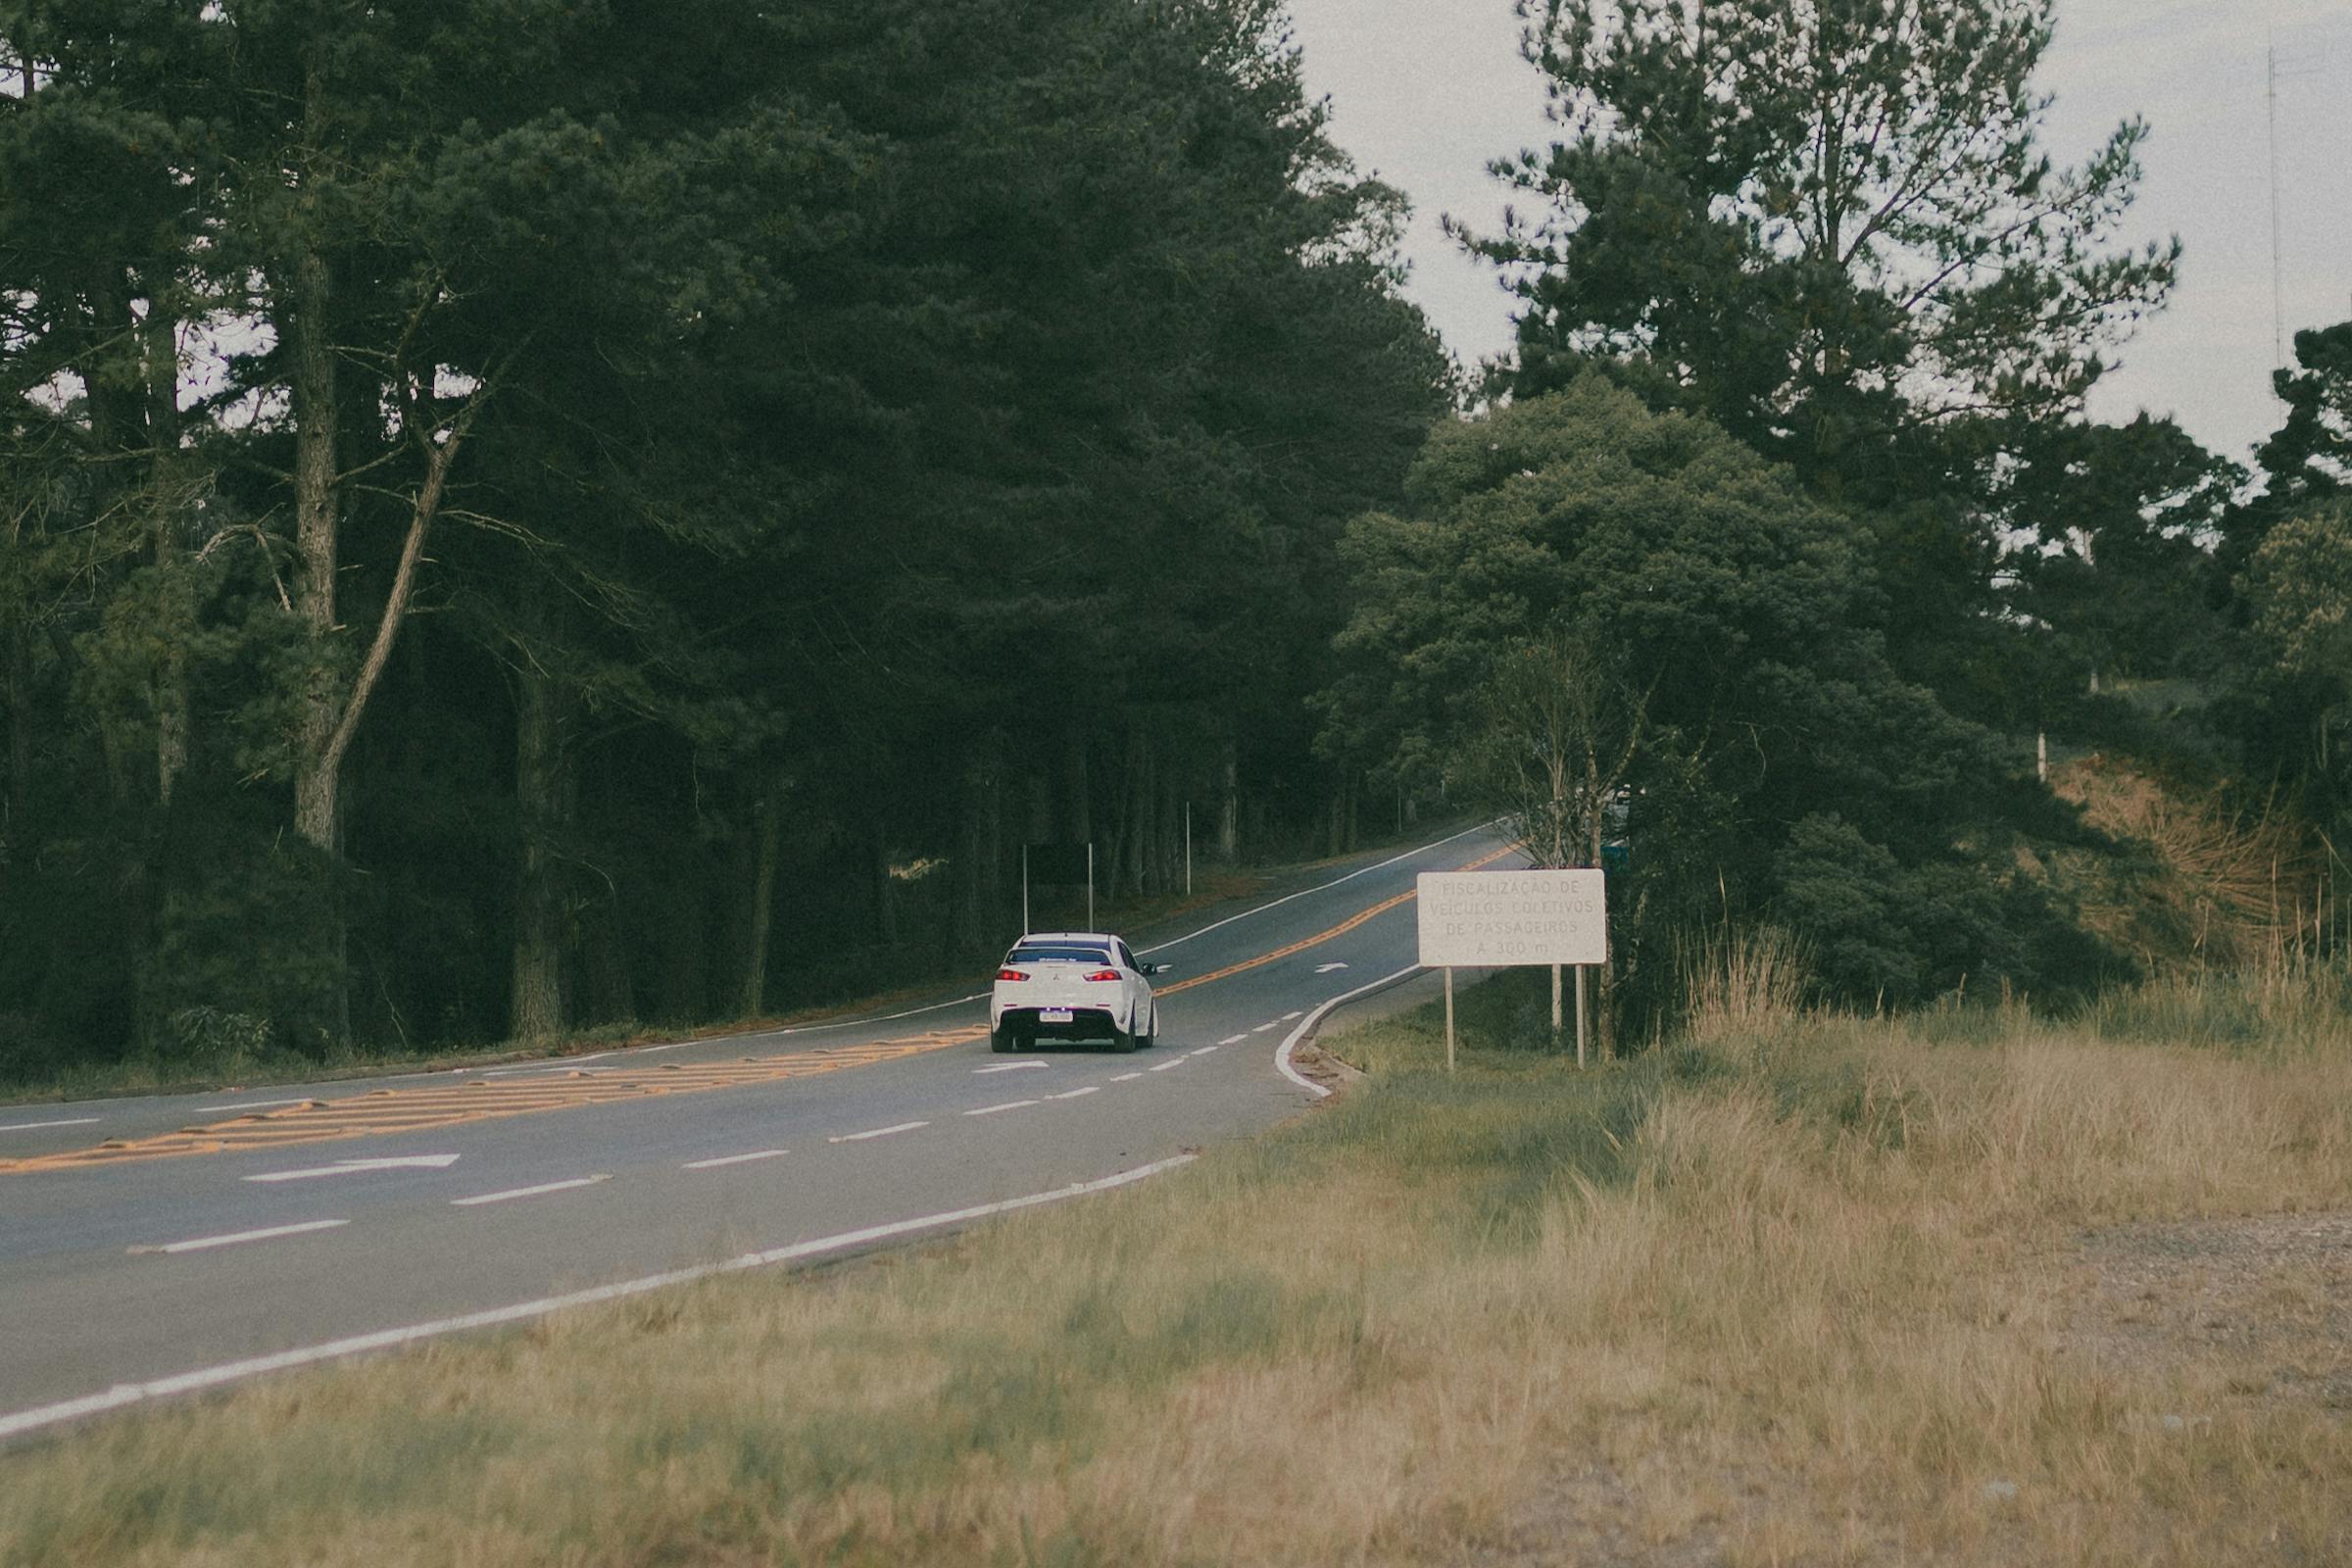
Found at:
(1799, 1290)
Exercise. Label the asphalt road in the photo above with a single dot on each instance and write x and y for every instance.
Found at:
(158, 1245)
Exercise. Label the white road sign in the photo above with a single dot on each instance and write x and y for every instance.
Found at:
(1480, 919)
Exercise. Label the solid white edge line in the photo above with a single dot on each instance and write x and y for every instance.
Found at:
(35, 1126)
(1306, 1025)
(879, 1132)
(527, 1192)
(1009, 1104)
(1276, 904)
(201, 1242)
(123, 1393)
(734, 1159)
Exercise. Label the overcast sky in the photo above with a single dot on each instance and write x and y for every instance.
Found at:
(1425, 91)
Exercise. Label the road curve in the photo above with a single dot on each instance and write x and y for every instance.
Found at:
(157, 1246)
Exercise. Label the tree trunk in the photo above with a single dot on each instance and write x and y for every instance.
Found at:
(317, 541)
(161, 346)
(886, 906)
(1139, 809)
(1229, 803)
(542, 777)
(18, 692)
(978, 883)
(1078, 788)
(768, 834)
(1172, 831)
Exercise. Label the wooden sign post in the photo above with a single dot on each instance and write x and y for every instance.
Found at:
(1493, 919)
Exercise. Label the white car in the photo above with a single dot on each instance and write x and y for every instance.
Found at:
(1072, 984)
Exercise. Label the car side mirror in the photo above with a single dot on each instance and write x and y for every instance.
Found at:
(1149, 969)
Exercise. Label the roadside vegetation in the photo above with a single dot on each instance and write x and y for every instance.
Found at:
(1968, 1286)
(218, 1050)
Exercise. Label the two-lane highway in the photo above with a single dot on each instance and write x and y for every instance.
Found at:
(151, 1247)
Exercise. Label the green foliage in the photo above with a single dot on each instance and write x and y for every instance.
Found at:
(792, 394)
(1827, 226)
(1750, 619)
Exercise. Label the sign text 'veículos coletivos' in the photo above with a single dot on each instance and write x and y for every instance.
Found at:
(1478, 919)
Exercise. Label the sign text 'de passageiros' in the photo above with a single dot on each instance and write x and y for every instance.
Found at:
(1478, 919)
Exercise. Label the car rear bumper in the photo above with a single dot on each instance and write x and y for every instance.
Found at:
(1085, 1023)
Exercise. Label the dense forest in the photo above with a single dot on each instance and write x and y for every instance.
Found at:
(524, 515)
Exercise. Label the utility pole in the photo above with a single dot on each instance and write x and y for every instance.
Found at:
(2303, 68)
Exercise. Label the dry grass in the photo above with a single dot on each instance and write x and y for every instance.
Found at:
(1817, 1293)
(2215, 885)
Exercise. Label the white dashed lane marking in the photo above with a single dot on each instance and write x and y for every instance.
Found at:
(1009, 1066)
(1073, 1094)
(734, 1159)
(1123, 1077)
(879, 1132)
(1165, 1066)
(991, 1111)
(34, 1126)
(1233, 1040)
(1202, 1052)
(527, 1192)
(1263, 1027)
(201, 1242)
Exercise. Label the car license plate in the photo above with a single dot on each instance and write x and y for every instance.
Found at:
(1053, 1015)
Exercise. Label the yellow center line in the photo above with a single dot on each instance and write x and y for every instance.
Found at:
(380, 1112)
(1321, 937)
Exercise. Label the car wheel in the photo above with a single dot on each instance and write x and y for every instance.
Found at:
(1003, 1040)
(1120, 1040)
(1151, 1037)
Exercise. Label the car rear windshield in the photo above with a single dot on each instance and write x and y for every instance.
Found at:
(1067, 955)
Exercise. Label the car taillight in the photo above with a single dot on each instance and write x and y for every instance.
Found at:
(1013, 974)
(1103, 974)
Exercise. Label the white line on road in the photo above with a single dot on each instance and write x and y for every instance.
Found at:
(1263, 1027)
(1303, 892)
(33, 1126)
(1123, 1077)
(203, 1242)
(991, 1111)
(527, 1192)
(1327, 968)
(1009, 1066)
(1233, 1040)
(250, 1104)
(733, 1160)
(350, 1167)
(1288, 1017)
(1073, 1094)
(1202, 1052)
(675, 1045)
(126, 1394)
(879, 1132)
(1165, 1066)
(1290, 1041)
